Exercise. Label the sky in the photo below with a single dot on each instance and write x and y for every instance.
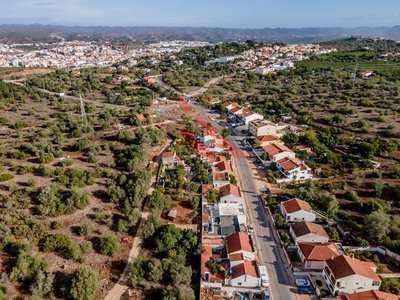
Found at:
(208, 13)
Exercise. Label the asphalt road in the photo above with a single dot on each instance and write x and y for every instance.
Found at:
(267, 249)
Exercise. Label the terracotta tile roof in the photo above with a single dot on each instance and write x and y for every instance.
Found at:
(236, 257)
(304, 227)
(290, 163)
(343, 266)
(369, 295)
(168, 154)
(229, 189)
(267, 138)
(295, 204)
(239, 241)
(318, 251)
(246, 268)
(276, 148)
(235, 109)
(141, 117)
(220, 176)
(224, 166)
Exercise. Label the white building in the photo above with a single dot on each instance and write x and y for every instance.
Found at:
(307, 232)
(260, 128)
(295, 210)
(229, 194)
(278, 151)
(293, 169)
(346, 275)
(245, 275)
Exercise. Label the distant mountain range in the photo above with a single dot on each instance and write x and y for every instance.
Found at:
(136, 35)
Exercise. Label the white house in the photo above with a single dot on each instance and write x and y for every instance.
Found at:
(260, 128)
(229, 209)
(314, 255)
(308, 232)
(295, 210)
(245, 275)
(278, 151)
(168, 158)
(293, 168)
(229, 194)
(249, 116)
(346, 275)
(240, 243)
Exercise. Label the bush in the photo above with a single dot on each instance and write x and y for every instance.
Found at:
(213, 266)
(109, 245)
(5, 177)
(84, 284)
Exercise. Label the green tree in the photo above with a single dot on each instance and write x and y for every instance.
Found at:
(109, 245)
(377, 224)
(43, 285)
(213, 266)
(84, 284)
(137, 271)
(225, 132)
(167, 237)
(154, 270)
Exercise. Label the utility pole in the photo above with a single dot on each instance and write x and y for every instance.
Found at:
(83, 112)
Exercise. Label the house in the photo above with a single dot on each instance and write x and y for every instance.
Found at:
(366, 74)
(150, 80)
(245, 275)
(224, 166)
(278, 151)
(220, 179)
(229, 194)
(268, 139)
(346, 275)
(168, 158)
(293, 169)
(249, 116)
(308, 232)
(295, 210)
(369, 295)
(260, 128)
(230, 105)
(314, 255)
(213, 248)
(240, 243)
(225, 218)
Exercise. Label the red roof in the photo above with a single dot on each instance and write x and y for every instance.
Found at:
(318, 251)
(295, 204)
(343, 266)
(235, 109)
(205, 187)
(267, 138)
(246, 268)
(229, 189)
(276, 148)
(224, 166)
(304, 227)
(291, 163)
(369, 295)
(239, 241)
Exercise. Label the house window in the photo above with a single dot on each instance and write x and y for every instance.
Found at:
(376, 283)
(239, 283)
(338, 284)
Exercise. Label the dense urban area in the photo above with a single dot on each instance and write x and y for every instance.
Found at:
(195, 170)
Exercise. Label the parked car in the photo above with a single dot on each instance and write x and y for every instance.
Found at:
(251, 228)
(301, 282)
(305, 290)
(260, 168)
(244, 131)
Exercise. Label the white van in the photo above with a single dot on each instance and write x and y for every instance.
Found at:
(262, 270)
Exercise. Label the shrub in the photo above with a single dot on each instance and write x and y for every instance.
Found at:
(5, 177)
(84, 284)
(109, 245)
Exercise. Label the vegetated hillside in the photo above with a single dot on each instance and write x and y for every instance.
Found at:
(37, 32)
(70, 191)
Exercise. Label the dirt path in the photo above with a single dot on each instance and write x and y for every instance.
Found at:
(122, 285)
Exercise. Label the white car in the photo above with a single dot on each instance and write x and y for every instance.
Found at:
(302, 282)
